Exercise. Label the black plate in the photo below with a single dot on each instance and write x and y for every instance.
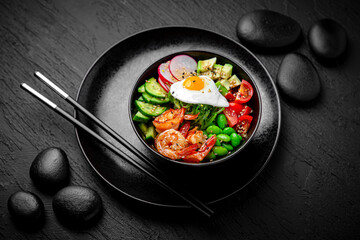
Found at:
(105, 92)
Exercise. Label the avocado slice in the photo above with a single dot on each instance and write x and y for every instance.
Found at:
(226, 71)
(234, 81)
(205, 65)
(217, 71)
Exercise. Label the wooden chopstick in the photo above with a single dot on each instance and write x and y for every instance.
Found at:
(187, 197)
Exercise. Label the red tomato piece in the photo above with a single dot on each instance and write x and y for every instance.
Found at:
(243, 124)
(230, 97)
(246, 110)
(245, 92)
(231, 116)
(236, 107)
(185, 129)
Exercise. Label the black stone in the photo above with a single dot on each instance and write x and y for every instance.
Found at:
(26, 209)
(77, 206)
(327, 39)
(297, 78)
(50, 169)
(267, 29)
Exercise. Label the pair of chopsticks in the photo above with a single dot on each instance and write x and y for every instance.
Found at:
(168, 185)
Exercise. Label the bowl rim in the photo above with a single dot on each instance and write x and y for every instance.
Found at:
(201, 164)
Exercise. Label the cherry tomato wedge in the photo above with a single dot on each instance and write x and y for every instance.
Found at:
(229, 96)
(185, 129)
(246, 110)
(236, 107)
(243, 124)
(191, 117)
(231, 116)
(245, 92)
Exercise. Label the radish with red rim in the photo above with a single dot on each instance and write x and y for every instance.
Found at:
(163, 85)
(182, 66)
(164, 73)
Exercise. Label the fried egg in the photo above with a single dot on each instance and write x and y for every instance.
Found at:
(198, 90)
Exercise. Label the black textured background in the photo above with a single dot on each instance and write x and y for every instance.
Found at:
(309, 190)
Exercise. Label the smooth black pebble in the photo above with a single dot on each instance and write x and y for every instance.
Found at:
(26, 209)
(327, 39)
(50, 169)
(77, 206)
(297, 78)
(268, 29)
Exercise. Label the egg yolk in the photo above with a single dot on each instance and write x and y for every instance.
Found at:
(194, 83)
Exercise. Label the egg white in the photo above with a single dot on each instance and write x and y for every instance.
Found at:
(208, 95)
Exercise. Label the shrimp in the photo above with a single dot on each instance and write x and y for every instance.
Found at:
(198, 156)
(172, 144)
(195, 136)
(170, 119)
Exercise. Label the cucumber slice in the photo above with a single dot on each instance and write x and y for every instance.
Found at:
(148, 109)
(150, 133)
(153, 88)
(141, 99)
(139, 117)
(154, 100)
(141, 89)
(143, 128)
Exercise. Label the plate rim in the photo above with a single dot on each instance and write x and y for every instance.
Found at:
(193, 28)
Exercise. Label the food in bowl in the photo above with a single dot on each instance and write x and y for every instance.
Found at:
(194, 110)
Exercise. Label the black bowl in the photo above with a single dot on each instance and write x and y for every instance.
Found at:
(254, 103)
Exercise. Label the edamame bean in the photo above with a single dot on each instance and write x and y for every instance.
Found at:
(223, 137)
(221, 121)
(211, 155)
(227, 146)
(213, 129)
(235, 139)
(228, 130)
(220, 151)
(217, 143)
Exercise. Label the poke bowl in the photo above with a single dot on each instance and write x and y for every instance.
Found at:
(195, 108)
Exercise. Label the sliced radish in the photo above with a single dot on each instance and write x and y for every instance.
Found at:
(182, 66)
(163, 85)
(164, 73)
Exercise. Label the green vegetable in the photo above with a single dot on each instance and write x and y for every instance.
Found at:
(210, 156)
(141, 89)
(139, 117)
(235, 139)
(207, 113)
(226, 71)
(213, 129)
(227, 146)
(150, 133)
(223, 137)
(220, 151)
(228, 130)
(143, 127)
(221, 88)
(154, 100)
(141, 99)
(153, 88)
(205, 65)
(148, 109)
(221, 120)
(217, 143)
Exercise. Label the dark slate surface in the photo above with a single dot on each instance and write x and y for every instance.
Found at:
(310, 188)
